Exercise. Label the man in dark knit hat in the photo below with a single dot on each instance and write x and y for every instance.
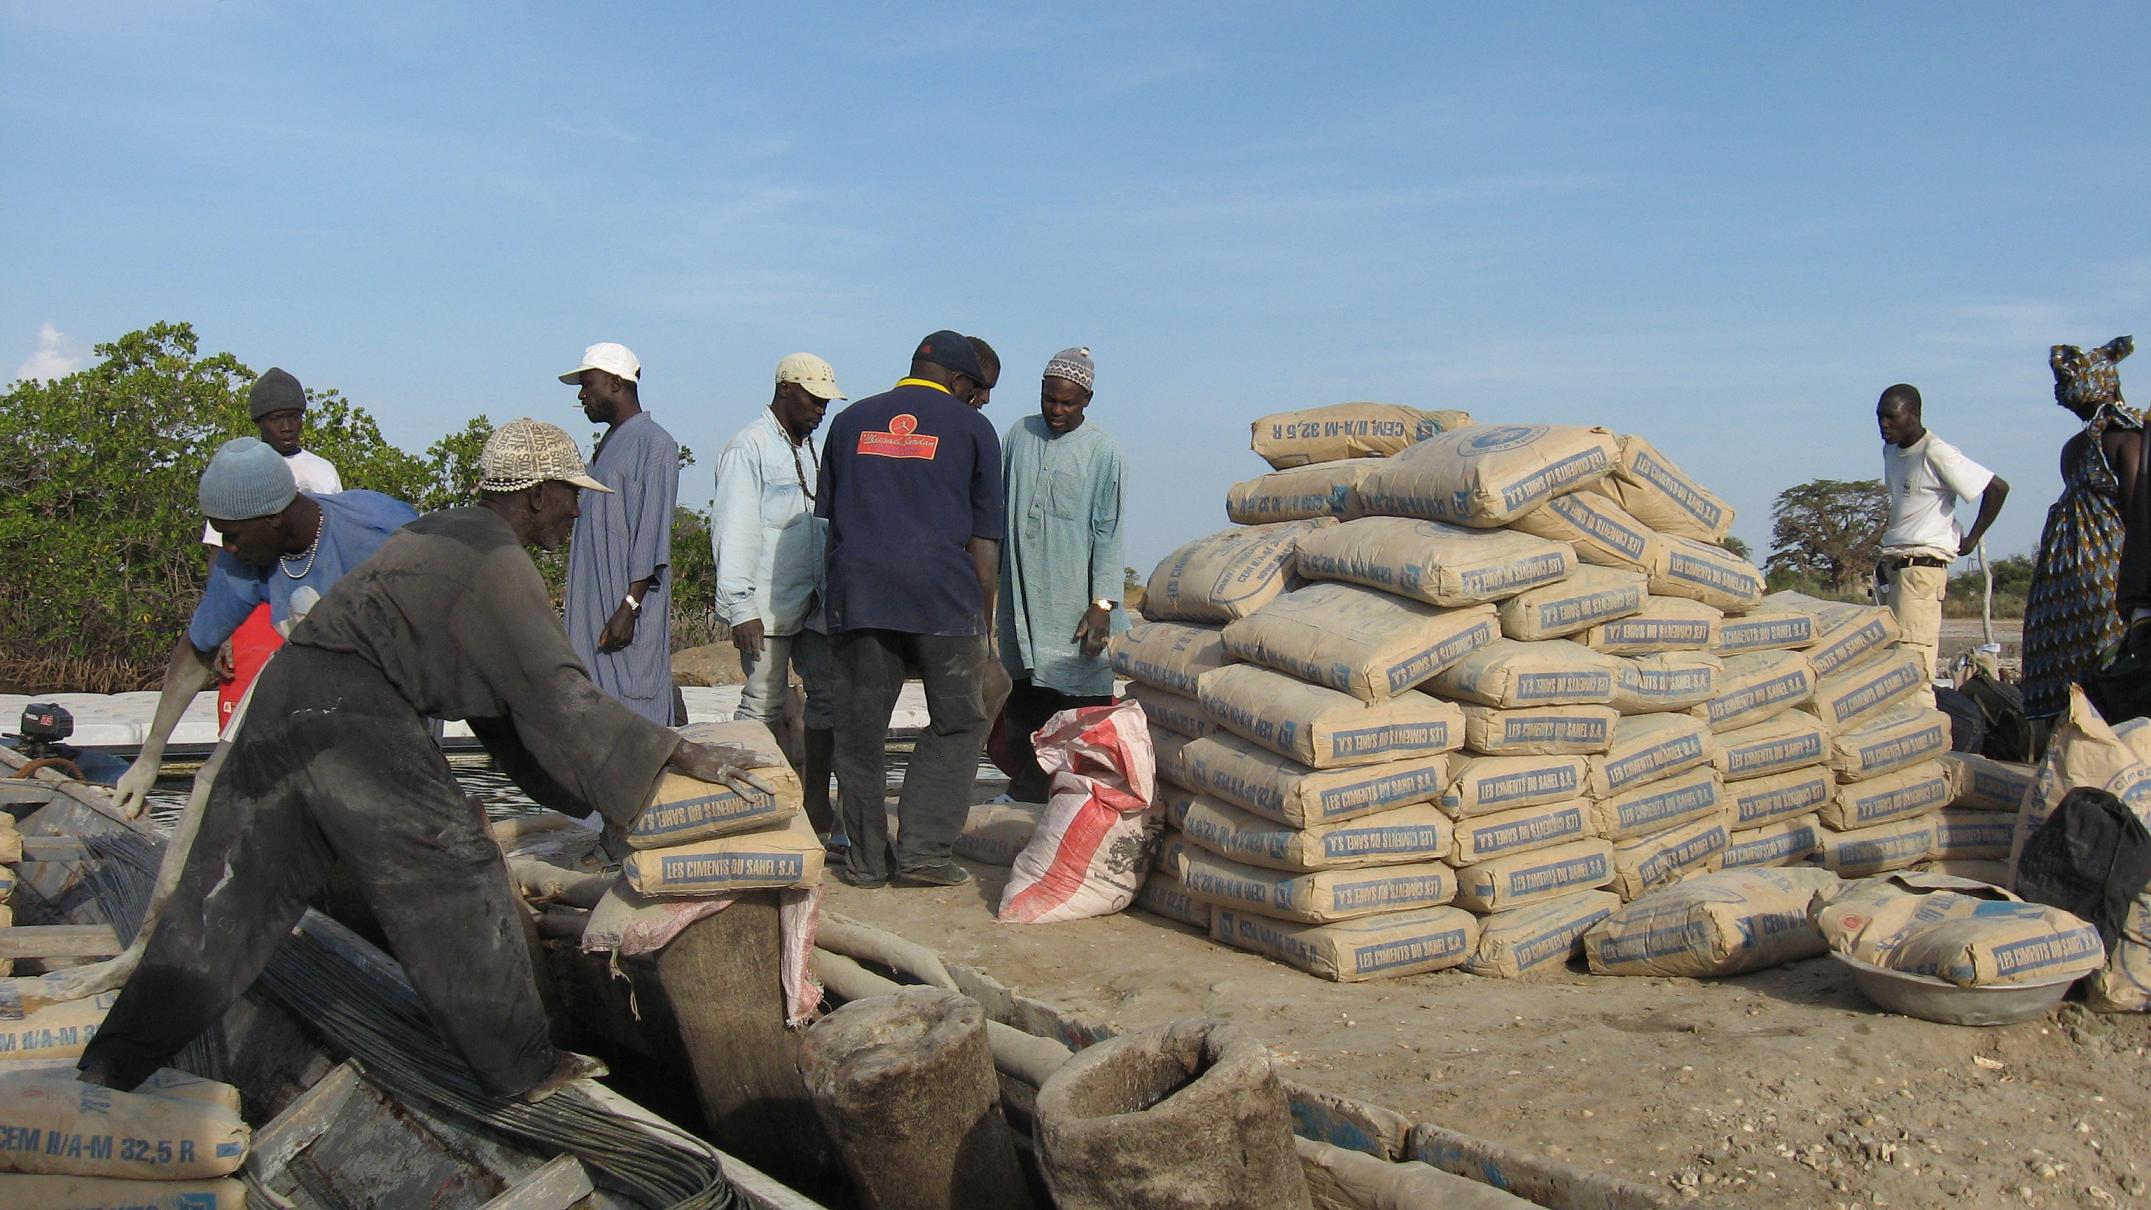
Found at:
(911, 488)
(277, 405)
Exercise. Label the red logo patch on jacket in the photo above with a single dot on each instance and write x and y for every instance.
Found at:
(901, 441)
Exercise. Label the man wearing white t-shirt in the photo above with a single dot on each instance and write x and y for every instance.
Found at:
(277, 404)
(1927, 478)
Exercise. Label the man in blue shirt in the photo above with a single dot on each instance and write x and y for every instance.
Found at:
(911, 488)
(283, 548)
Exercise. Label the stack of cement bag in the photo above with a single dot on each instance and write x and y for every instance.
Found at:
(1500, 682)
(701, 839)
(10, 857)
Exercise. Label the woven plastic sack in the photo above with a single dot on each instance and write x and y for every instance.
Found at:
(1323, 489)
(1487, 475)
(1306, 436)
(1091, 850)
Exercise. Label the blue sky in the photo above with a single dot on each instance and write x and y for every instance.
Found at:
(1726, 227)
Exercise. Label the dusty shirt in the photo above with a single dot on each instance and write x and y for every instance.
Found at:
(454, 614)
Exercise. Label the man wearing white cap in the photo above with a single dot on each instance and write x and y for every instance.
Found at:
(619, 607)
(282, 548)
(770, 550)
(337, 765)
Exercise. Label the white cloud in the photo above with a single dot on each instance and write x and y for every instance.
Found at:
(57, 356)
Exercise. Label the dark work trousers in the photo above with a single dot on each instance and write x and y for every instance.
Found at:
(1029, 706)
(869, 673)
(331, 765)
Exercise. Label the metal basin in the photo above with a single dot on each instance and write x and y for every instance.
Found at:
(1932, 999)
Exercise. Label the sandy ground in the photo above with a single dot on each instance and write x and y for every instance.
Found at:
(1782, 1088)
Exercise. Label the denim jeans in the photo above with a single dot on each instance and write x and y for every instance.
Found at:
(870, 667)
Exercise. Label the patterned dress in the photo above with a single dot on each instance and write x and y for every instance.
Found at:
(2069, 617)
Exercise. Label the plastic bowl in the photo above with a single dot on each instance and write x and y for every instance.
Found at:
(1932, 999)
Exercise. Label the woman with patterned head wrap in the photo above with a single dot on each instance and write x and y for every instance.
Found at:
(2069, 617)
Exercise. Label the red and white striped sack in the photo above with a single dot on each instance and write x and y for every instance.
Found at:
(1092, 848)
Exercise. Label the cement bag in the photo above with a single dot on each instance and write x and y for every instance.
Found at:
(1646, 863)
(1987, 785)
(1429, 561)
(1961, 835)
(68, 1128)
(1877, 850)
(1089, 854)
(1665, 624)
(1705, 572)
(1168, 655)
(1786, 842)
(1508, 673)
(2084, 751)
(994, 832)
(1757, 687)
(1369, 644)
(1920, 790)
(1339, 431)
(1712, 925)
(1163, 894)
(1959, 932)
(1696, 794)
(1646, 748)
(625, 923)
(1599, 529)
(1673, 680)
(1386, 946)
(49, 1029)
(1522, 879)
(1588, 597)
(1538, 730)
(683, 810)
(1168, 750)
(1844, 631)
(1316, 897)
(786, 856)
(1767, 800)
(1325, 489)
(1848, 698)
(168, 1082)
(1894, 739)
(1765, 629)
(10, 840)
(1484, 784)
(1792, 740)
(1323, 728)
(1173, 711)
(1487, 475)
(7, 882)
(2123, 985)
(1993, 873)
(1225, 575)
(1500, 833)
(1171, 845)
(1544, 936)
(1666, 498)
(1396, 837)
(1288, 792)
(112, 1193)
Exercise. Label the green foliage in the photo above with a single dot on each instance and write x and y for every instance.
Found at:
(1739, 549)
(2012, 584)
(1828, 531)
(100, 530)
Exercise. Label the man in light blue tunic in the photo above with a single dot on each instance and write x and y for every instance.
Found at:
(619, 608)
(1061, 572)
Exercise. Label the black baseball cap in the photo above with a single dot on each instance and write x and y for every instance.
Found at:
(950, 350)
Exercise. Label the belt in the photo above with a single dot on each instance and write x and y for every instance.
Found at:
(1895, 562)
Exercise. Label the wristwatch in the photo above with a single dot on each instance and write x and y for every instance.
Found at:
(633, 605)
(1102, 603)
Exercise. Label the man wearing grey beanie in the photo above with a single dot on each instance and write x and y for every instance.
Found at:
(279, 544)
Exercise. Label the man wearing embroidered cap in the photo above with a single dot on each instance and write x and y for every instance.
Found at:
(619, 591)
(911, 489)
(337, 765)
(769, 548)
(1061, 570)
(283, 548)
